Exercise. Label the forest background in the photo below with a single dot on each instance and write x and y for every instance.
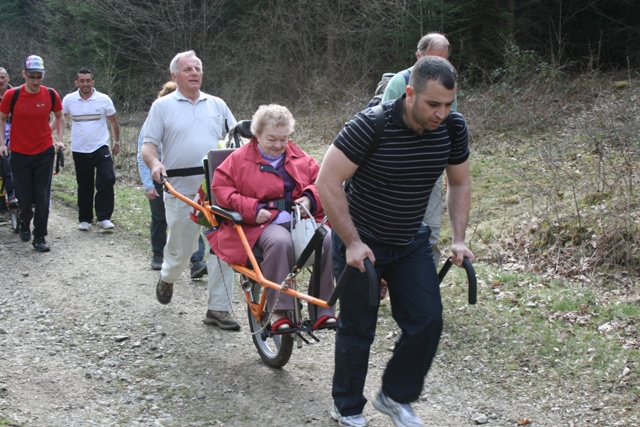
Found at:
(550, 90)
(305, 53)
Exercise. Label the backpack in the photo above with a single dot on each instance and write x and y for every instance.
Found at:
(379, 129)
(382, 85)
(15, 99)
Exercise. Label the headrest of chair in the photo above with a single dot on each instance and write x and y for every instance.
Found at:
(244, 128)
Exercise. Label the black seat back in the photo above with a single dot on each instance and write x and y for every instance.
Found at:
(211, 162)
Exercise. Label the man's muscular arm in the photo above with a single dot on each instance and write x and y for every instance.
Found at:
(335, 169)
(459, 205)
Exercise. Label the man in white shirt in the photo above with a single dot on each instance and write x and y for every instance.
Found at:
(187, 124)
(89, 111)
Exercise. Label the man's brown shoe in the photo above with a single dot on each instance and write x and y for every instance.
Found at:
(164, 291)
(221, 319)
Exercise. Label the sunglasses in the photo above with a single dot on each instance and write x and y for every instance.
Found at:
(35, 77)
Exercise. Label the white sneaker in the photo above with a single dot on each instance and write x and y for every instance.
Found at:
(106, 224)
(401, 413)
(84, 226)
(349, 420)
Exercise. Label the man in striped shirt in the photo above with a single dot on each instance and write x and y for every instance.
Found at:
(378, 217)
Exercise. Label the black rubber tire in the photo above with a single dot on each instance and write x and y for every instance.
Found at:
(276, 350)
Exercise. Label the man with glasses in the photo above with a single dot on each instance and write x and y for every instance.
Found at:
(89, 110)
(32, 148)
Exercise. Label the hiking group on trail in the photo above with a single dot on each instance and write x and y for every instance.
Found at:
(391, 157)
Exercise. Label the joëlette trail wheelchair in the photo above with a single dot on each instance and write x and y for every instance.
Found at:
(275, 347)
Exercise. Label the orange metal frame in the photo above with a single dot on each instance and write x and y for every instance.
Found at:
(254, 273)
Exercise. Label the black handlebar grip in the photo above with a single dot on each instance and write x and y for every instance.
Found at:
(374, 284)
(471, 277)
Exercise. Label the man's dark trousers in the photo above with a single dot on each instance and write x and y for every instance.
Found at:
(96, 167)
(32, 185)
(158, 225)
(414, 291)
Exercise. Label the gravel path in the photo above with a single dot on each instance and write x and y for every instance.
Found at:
(83, 342)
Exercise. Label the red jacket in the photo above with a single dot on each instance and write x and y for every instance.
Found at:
(239, 185)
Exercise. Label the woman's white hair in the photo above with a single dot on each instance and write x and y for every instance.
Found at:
(274, 115)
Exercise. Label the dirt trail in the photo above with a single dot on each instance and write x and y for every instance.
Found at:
(83, 342)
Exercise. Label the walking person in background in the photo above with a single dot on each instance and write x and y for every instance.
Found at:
(187, 124)
(8, 200)
(89, 111)
(158, 225)
(432, 44)
(378, 216)
(32, 148)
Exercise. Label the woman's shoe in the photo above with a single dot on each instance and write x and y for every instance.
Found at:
(326, 322)
(280, 322)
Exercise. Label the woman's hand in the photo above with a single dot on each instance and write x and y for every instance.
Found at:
(263, 216)
(306, 201)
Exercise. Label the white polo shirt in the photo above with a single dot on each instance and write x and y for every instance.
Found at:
(187, 131)
(88, 120)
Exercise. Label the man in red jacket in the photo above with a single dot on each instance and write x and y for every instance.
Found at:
(32, 148)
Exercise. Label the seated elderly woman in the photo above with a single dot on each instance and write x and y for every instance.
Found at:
(270, 168)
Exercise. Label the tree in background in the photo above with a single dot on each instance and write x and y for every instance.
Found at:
(304, 52)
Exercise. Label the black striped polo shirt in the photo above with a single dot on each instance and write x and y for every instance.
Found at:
(389, 192)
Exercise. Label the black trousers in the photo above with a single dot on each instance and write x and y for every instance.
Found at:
(95, 169)
(416, 307)
(32, 185)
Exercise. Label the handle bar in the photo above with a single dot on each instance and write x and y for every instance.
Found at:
(59, 161)
(471, 277)
(374, 284)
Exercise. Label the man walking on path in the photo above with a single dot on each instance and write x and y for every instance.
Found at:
(8, 184)
(187, 124)
(378, 216)
(32, 148)
(158, 225)
(89, 111)
(432, 44)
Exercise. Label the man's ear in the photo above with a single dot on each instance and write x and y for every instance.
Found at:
(411, 93)
(76, 83)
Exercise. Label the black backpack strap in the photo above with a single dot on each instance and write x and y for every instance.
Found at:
(451, 127)
(378, 110)
(53, 98)
(14, 100)
(16, 94)
(406, 73)
(378, 130)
